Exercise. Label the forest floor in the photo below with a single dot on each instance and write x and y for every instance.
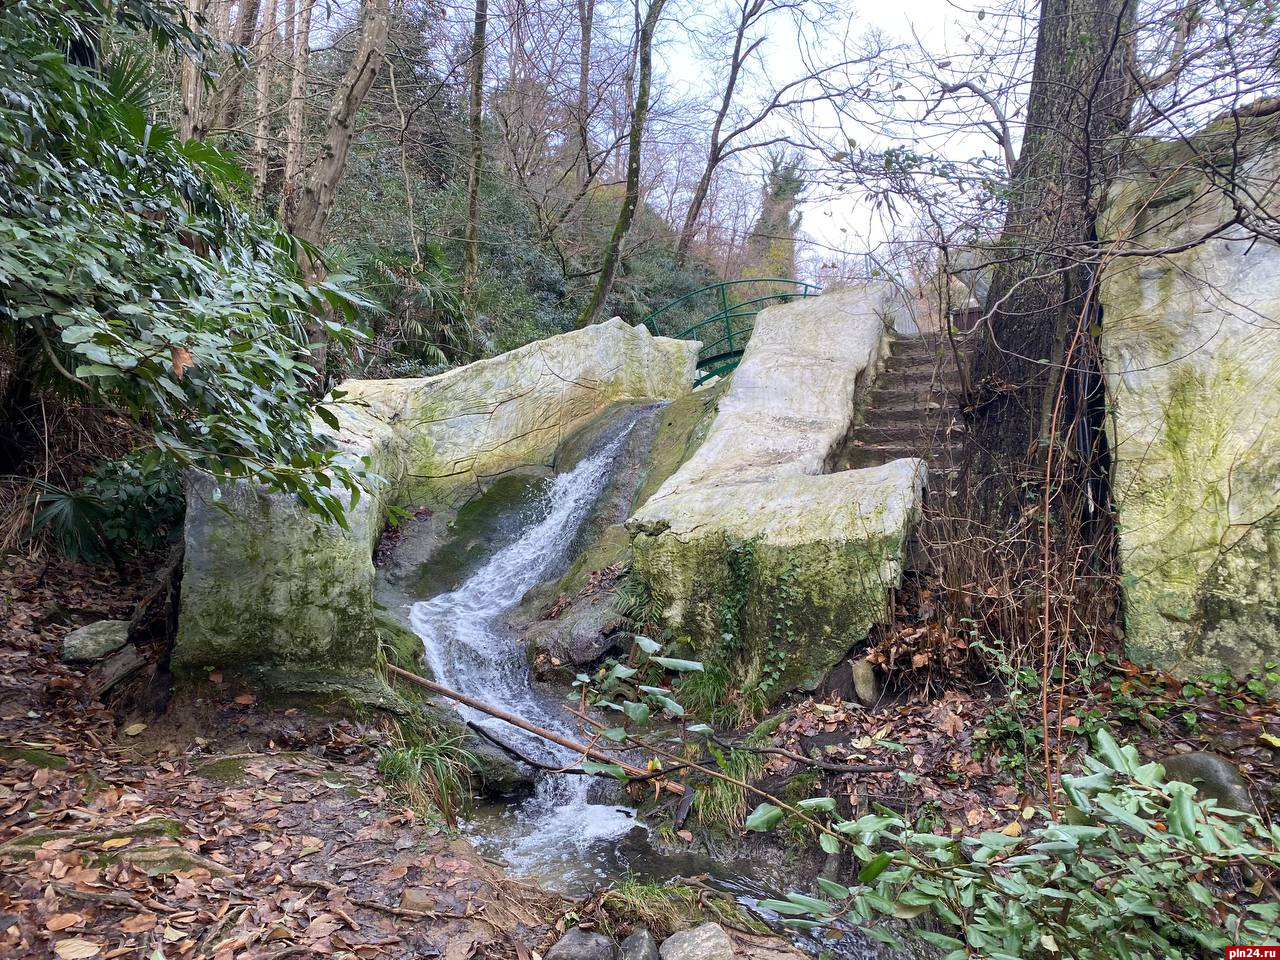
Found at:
(226, 828)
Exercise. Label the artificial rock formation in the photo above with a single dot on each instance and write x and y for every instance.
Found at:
(267, 588)
(1191, 341)
(757, 553)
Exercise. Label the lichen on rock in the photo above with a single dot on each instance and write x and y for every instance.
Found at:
(1191, 345)
(272, 592)
(823, 547)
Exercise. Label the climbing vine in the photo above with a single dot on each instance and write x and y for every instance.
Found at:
(741, 555)
(782, 636)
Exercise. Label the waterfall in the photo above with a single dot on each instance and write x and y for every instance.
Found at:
(470, 648)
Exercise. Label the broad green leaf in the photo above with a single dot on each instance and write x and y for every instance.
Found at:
(763, 818)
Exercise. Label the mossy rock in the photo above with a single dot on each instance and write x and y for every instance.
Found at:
(24, 847)
(44, 759)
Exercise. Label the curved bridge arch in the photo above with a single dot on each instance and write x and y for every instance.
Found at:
(725, 331)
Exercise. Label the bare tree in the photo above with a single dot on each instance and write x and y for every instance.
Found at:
(265, 53)
(639, 115)
(475, 129)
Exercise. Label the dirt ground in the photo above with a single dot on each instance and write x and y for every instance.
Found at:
(223, 829)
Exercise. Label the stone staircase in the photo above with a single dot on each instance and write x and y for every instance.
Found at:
(911, 411)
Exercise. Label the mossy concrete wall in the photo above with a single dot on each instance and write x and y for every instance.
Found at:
(269, 589)
(826, 546)
(1191, 341)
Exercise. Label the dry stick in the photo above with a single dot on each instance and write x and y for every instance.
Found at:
(515, 721)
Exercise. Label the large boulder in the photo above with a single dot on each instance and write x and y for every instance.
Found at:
(1191, 342)
(268, 589)
(750, 529)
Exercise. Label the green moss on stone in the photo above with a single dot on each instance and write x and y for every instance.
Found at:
(44, 759)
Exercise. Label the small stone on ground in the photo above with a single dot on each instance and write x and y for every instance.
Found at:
(579, 944)
(707, 942)
(95, 641)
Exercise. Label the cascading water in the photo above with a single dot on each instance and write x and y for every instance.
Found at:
(565, 835)
(470, 648)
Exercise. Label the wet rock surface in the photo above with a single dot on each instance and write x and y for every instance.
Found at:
(579, 944)
(271, 592)
(706, 942)
(1213, 776)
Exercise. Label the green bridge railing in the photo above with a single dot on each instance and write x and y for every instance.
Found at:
(724, 333)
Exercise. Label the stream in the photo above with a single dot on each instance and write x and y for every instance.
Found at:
(573, 833)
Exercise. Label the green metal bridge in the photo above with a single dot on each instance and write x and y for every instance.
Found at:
(724, 333)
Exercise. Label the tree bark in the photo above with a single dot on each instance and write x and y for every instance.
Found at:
(191, 121)
(266, 51)
(312, 200)
(631, 199)
(300, 55)
(586, 22)
(225, 112)
(1077, 112)
(475, 117)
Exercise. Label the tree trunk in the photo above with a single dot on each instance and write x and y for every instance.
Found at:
(475, 116)
(1077, 111)
(750, 10)
(313, 200)
(639, 116)
(300, 55)
(191, 122)
(225, 113)
(266, 51)
(586, 20)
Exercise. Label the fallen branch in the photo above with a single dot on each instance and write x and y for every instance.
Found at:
(374, 904)
(810, 761)
(580, 748)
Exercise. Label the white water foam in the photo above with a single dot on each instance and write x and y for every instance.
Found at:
(470, 648)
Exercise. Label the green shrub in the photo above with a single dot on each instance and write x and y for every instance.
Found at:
(1136, 867)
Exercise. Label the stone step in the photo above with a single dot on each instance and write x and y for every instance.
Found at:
(874, 455)
(894, 393)
(911, 434)
(917, 348)
(918, 406)
(919, 367)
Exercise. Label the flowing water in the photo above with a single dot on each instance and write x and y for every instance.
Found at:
(470, 648)
(570, 834)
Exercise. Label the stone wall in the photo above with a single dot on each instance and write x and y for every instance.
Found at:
(268, 589)
(1191, 342)
(825, 547)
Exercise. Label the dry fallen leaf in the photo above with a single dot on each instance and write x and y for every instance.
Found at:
(182, 361)
(76, 949)
(246, 699)
(61, 921)
(1013, 830)
(133, 729)
(139, 923)
(115, 843)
